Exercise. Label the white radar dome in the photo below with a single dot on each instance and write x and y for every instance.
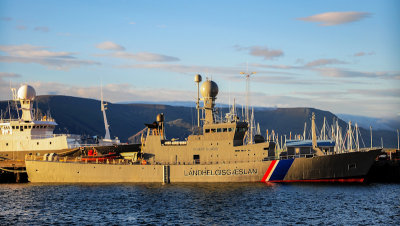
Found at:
(26, 92)
(209, 89)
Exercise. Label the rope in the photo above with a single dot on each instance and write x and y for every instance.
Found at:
(13, 171)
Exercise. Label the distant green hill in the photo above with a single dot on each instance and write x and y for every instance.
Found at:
(83, 116)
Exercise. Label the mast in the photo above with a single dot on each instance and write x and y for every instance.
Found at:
(304, 132)
(357, 141)
(197, 79)
(247, 75)
(103, 109)
(350, 138)
(370, 129)
(337, 137)
(15, 99)
(314, 137)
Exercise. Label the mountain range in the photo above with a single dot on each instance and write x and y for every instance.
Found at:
(82, 116)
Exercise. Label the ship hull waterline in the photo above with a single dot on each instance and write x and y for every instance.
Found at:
(347, 167)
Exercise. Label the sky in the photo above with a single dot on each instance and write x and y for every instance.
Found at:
(339, 56)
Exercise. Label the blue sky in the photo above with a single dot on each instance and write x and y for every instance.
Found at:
(340, 56)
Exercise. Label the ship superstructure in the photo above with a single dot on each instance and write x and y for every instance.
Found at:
(28, 134)
(216, 142)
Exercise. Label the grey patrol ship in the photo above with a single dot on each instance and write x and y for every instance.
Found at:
(215, 153)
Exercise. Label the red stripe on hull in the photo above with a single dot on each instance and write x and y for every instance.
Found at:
(268, 170)
(348, 180)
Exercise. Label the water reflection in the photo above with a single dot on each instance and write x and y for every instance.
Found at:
(199, 203)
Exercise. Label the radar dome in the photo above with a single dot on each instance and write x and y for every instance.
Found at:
(26, 92)
(209, 89)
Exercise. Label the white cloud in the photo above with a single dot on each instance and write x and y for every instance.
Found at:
(9, 75)
(111, 92)
(41, 29)
(336, 18)
(206, 70)
(119, 52)
(342, 73)
(66, 34)
(261, 51)
(33, 51)
(40, 55)
(21, 27)
(108, 45)
(321, 62)
(5, 80)
(6, 18)
(334, 101)
(142, 56)
(363, 54)
(377, 93)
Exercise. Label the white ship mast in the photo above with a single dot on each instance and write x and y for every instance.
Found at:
(103, 109)
(249, 135)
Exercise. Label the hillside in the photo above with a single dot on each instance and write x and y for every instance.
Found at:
(83, 116)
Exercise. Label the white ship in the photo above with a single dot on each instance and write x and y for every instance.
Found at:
(31, 135)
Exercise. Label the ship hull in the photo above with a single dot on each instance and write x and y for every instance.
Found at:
(348, 167)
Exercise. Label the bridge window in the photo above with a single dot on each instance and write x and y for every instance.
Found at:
(207, 130)
(213, 130)
(224, 129)
(219, 130)
(13, 127)
(230, 129)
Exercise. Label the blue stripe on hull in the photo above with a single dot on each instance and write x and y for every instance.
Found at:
(281, 169)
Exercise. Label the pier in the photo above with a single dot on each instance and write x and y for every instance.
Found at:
(13, 171)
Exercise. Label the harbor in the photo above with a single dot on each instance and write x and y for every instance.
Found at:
(217, 151)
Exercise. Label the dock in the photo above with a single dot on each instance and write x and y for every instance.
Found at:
(12, 171)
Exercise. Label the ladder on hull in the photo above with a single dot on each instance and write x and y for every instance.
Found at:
(166, 173)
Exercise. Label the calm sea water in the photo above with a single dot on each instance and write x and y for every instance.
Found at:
(199, 204)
